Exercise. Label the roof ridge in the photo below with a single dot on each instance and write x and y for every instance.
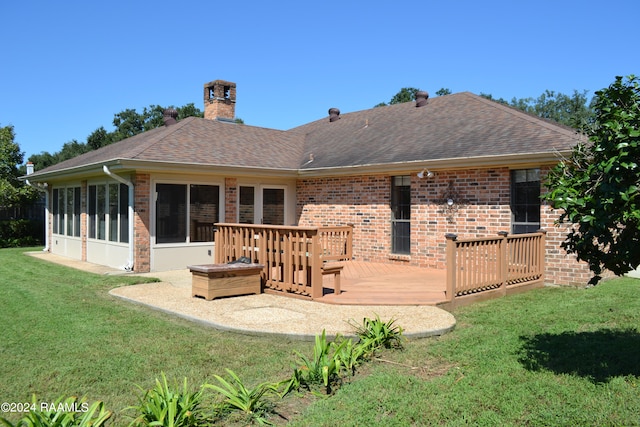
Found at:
(169, 130)
(558, 127)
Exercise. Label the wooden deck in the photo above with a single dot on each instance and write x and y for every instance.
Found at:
(368, 283)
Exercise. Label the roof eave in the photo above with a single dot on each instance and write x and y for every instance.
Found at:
(128, 165)
(511, 161)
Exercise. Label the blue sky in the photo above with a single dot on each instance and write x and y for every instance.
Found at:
(69, 66)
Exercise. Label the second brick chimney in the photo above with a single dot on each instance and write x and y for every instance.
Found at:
(220, 100)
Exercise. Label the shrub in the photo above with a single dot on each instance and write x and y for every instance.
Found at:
(348, 354)
(375, 334)
(168, 406)
(250, 401)
(322, 368)
(20, 232)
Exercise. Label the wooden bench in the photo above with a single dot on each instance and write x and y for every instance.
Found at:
(335, 269)
(211, 281)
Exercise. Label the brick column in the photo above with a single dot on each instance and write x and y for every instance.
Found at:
(230, 200)
(141, 223)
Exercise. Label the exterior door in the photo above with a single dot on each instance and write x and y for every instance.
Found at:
(263, 205)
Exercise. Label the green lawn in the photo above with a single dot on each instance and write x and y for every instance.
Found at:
(554, 356)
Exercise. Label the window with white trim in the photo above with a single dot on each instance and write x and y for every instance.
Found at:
(401, 214)
(108, 212)
(525, 201)
(66, 211)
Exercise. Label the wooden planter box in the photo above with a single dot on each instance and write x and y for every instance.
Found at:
(211, 281)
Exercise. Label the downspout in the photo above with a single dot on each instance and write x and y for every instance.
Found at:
(43, 188)
(105, 169)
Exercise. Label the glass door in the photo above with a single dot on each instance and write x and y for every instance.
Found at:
(264, 206)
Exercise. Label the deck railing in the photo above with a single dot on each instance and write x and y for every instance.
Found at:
(483, 266)
(292, 256)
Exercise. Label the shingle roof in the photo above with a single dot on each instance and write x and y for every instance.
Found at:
(461, 125)
(200, 141)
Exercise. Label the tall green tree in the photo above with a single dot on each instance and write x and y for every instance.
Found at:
(190, 110)
(573, 111)
(99, 138)
(408, 94)
(12, 191)
(597, 187)
(127, 123)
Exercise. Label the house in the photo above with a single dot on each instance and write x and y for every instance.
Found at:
(403, 175)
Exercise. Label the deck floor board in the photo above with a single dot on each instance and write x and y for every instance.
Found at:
(368, 283)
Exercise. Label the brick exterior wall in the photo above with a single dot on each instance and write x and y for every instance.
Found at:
(362, 201)
(230, 199)
(481, 208)
(142, 223)
(564, 268)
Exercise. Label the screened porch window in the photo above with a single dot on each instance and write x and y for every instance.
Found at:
(66, 211)
(108, 212)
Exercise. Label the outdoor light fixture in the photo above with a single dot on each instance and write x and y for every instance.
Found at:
(425, 172)
(451, 201)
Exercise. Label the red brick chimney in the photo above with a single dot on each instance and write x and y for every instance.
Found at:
(220, 100)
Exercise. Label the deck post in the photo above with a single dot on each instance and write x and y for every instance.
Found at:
(316, 266)
(503, 262)
(217, 245)
(451, 266)
(543, 254)
(349, 250)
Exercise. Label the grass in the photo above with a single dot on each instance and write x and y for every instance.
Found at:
(62, 333)
(554, 356)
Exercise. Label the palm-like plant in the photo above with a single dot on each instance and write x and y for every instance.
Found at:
(168, 406)
(348, 354)
(375, 334)
(323, 367)
(239, 397)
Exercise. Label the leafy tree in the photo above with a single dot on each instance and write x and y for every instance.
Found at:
(99, 138)
(72, 149)
(43, 160)
(491, 98)
(406, 94)
(190, 110)
(12, 191)
(443, 91)
(127, 124)
(597, 186)
(568, 110)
